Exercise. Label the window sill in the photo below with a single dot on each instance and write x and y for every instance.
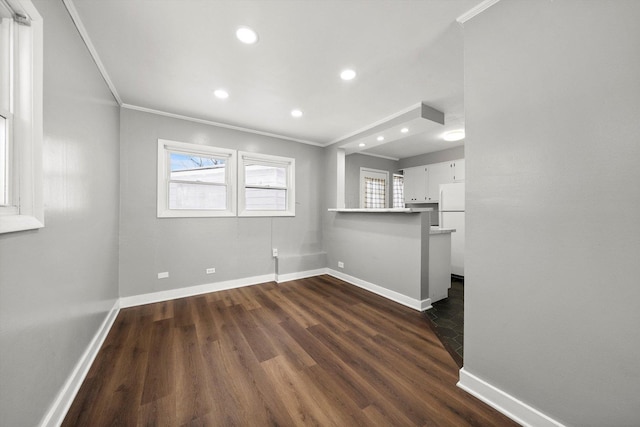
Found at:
(194, 214)
(265, 213)
(13, 223)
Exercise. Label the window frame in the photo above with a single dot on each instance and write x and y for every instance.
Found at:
(165, 148)
(25, 105)
(364, 172)
(267, 160)
(397, 196)
(8, 208)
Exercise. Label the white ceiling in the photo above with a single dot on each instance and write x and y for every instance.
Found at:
(169, 55)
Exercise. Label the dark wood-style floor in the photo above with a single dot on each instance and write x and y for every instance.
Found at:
(315, 351)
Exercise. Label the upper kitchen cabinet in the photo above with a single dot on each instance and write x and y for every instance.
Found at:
(438, 173)
(422, 183)
(415, 184)
(458, 170)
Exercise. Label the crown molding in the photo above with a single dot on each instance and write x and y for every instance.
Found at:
(75, 17)
(218, 124)
(486, 4)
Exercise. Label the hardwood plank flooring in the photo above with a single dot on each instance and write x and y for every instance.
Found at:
(316, 351)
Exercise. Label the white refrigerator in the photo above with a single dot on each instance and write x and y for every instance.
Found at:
(451, 208)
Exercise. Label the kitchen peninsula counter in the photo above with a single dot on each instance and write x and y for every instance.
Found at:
(401, 257)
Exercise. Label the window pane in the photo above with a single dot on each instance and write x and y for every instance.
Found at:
(263, 199)
(4, 167)
(398, 191)
(186, 167)
(266, 176)
(197, 196)
(375, 193)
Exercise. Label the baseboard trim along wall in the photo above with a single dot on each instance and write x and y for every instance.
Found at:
(384, 292)
(190, 291)
(58, 410)
(513, 408)
(67, 394)
(280, 278)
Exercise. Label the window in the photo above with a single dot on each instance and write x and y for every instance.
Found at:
(195, 180)
(4, 163)
(21, 61)
(266, 185)
(398, 191)
(373, 188)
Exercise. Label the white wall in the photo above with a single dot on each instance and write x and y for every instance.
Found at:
(58, 283)
(237, 247)
(552, 99)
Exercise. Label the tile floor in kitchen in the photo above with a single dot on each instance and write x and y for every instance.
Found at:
(447, 317)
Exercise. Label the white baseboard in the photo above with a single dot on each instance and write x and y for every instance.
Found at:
(513, 408)
(387, 293)
(280, 278)
(67, 394)
(58, 410)
(160, 296)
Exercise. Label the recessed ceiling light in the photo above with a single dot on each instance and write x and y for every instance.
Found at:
(404, 130)
(380, 138)
(454, 135)
(296, 113)
(347, 74)
(221, 93)
(362, 144)
(246, 35)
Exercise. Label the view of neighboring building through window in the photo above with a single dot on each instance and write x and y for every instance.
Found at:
(197, 182)
(266, 185)
(398, 191)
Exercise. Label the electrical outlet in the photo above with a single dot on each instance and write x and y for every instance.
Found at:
(211, 270)
(163, 275)
(340, 264)
(274, 252)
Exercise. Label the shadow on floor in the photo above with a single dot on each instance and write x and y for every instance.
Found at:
(447, 319)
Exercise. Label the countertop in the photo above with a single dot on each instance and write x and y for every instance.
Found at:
(437, 230)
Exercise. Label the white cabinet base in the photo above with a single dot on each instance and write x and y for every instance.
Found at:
(439, 266)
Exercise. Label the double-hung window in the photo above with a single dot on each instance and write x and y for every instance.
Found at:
(195, 180)
(266, 185)
(21, 61)
(5, 164)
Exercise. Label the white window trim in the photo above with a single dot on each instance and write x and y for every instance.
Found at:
(164, 147)
(363, 174)
(290, 164)
(393, 192)
(27, 212)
